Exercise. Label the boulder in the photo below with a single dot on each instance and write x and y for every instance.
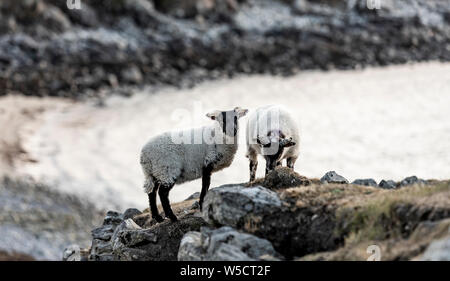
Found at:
(366, 182)
(157, 243)
(233, 204)
(412, 180)
(223, 244)
(387, 184)
(260, 211)
(333, 177)
(255, 223)
(72, 253)
(121, 238)
(131, 213)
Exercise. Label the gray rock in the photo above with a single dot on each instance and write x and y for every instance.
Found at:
(387, 184)
(160, 242)
(223, 244)
(124, 240)
(72, 253)
(232, 204)
(101, 247)
(195, 195)
(260, 212)
(438, 250)
(195, 206)
(112, 218)
(130, 213)
(101, 251)
(366, 182)
(104, 232)
(411, 180)
(333, 177)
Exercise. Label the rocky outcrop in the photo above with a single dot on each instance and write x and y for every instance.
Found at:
(121, 238)
(319, 217)
(224, 244)
(157, 243)
(317, 221)
(48, 49)
(261, 212)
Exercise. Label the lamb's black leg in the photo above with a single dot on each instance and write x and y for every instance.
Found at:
(206, 181)
(253, 167)
(164, 197)
(152, 201)
(269, 164)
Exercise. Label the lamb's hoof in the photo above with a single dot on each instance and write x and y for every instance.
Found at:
(173, 218)
(158, 218)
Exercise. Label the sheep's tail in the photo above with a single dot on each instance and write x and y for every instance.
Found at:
(149, 184)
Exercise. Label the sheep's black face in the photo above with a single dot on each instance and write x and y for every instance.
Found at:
(229, 123)
(228, 120)
(274, 143)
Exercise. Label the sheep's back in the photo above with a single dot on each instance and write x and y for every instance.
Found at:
(166, 159)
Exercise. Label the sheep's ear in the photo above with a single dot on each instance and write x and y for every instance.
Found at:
(241, 112)
(213, 115)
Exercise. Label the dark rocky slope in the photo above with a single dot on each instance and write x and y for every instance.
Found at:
(318, 220)
(47, 49)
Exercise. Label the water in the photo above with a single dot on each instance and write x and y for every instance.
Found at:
(383, 123)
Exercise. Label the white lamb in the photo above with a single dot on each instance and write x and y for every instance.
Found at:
(272, 133)
(177, 157)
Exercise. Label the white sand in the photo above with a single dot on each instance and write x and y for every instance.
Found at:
(384, 123)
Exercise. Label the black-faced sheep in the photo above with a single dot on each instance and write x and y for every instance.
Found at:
(181, 156)
(272, 133)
